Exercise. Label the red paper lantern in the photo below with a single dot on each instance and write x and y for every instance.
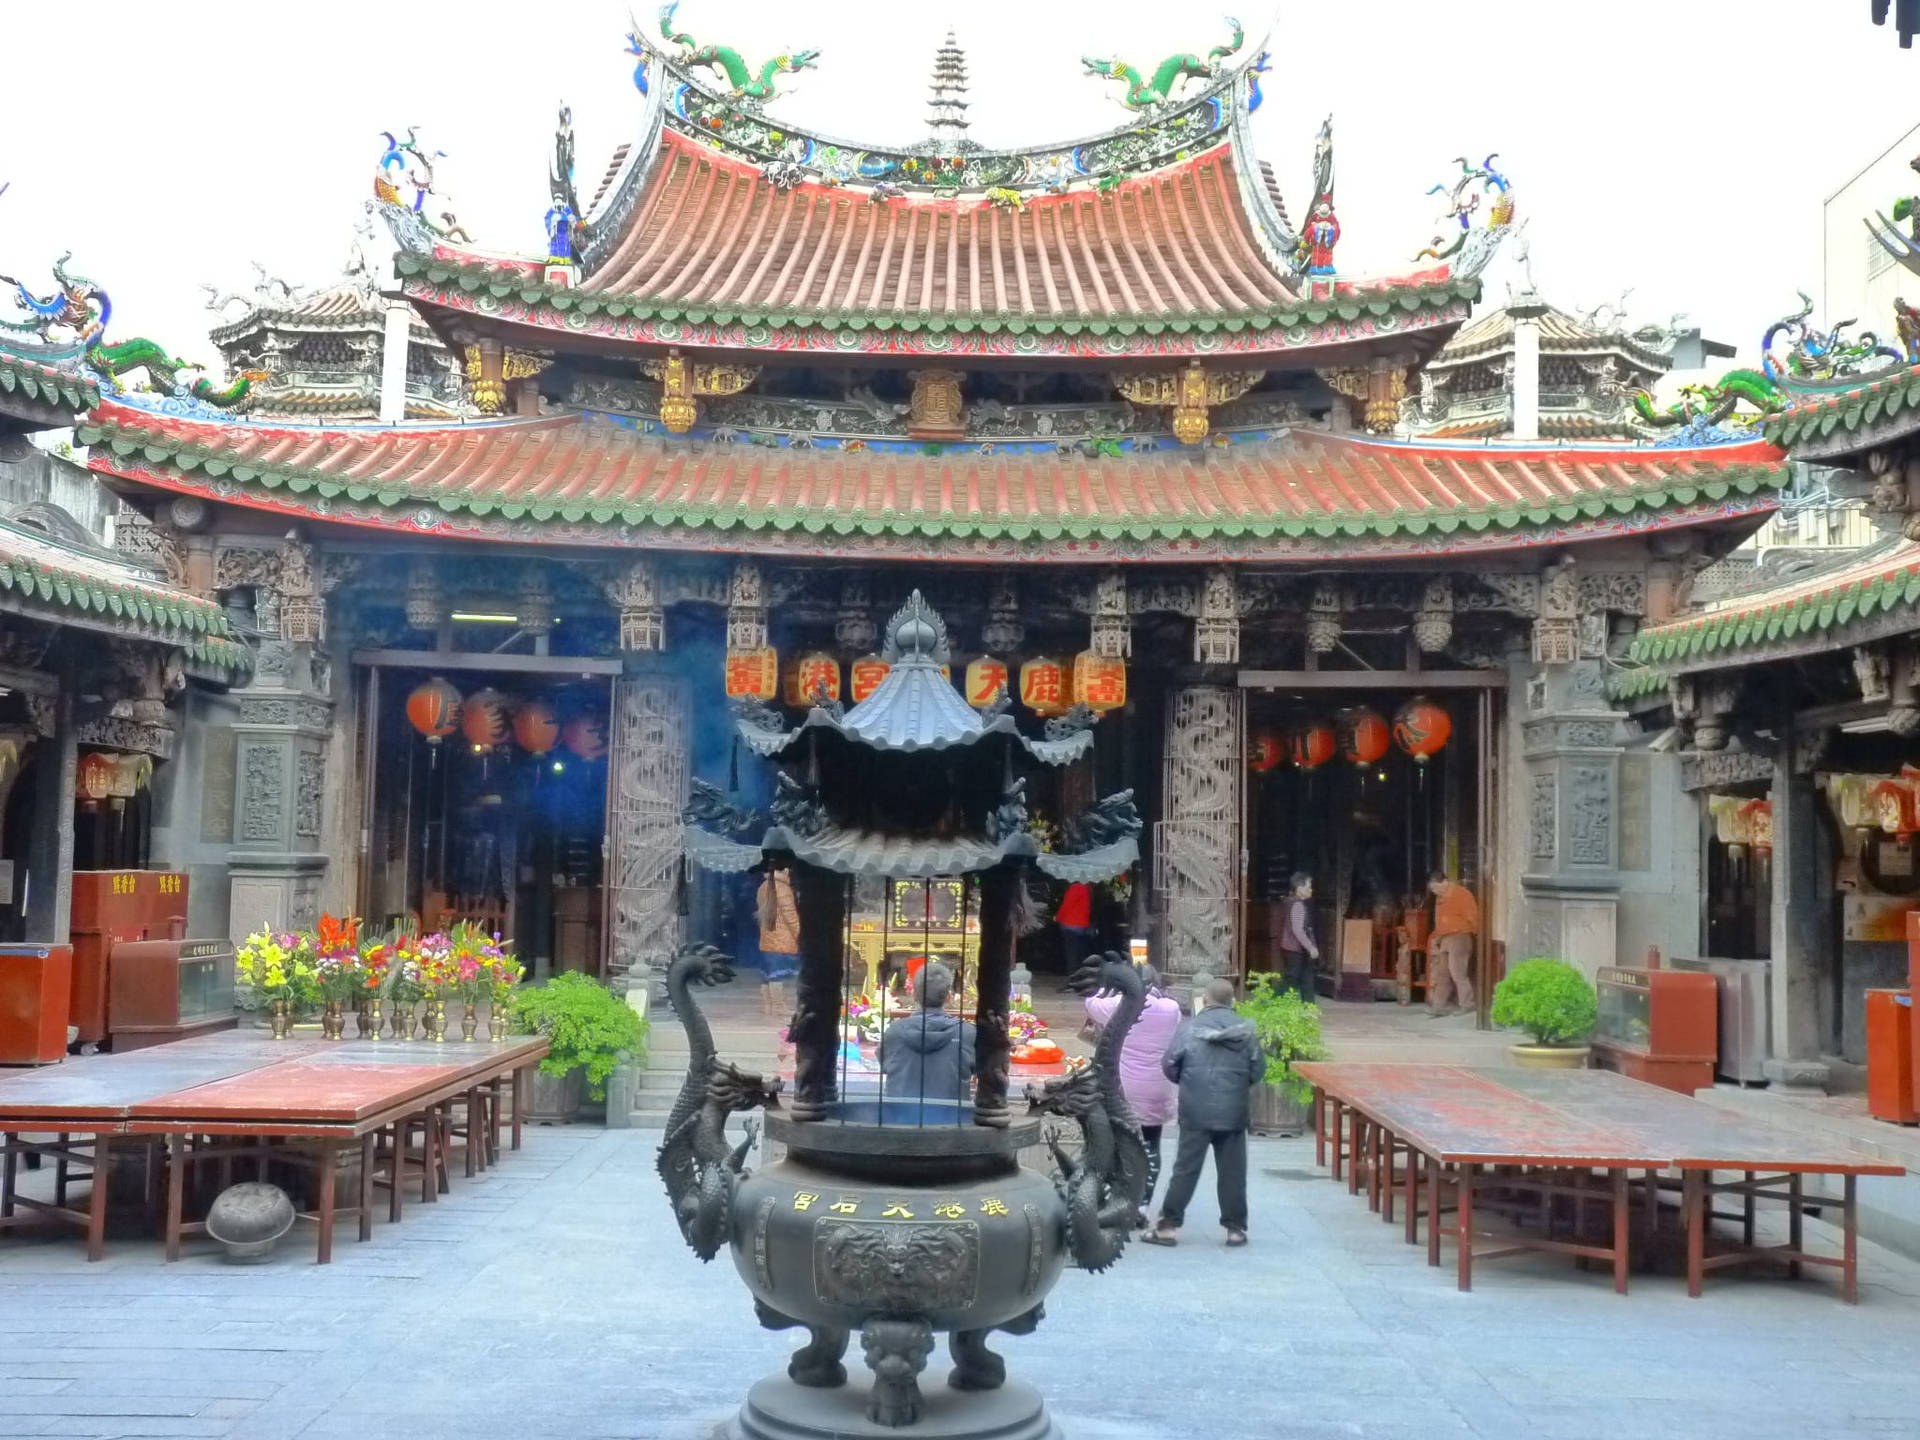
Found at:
(753, 674)
(1265, 752)
(1313, 746)
(434, 710)
(1043, 686)
(483, 718)
(534, 728)
(1421, 728)
(1363, 736)
(586, 737)
(864, 676)
(986, 681)
(93, 777)
(1099, 681)
(816, 676)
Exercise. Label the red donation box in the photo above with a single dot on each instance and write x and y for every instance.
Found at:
(111, 906)
(36, 984)
(1890, 1077)
(1660, 1026)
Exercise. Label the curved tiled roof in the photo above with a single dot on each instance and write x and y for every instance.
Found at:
(1560, 334)
(44, 579)
(580, 479)
(43, 383)
(1822, 422)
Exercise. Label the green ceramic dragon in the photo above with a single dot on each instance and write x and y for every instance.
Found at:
(1143, 93)
(81, 305)
(1711, 404)
(728, 61)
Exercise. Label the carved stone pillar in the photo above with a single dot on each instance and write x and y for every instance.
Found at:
(1197, 843)
(296, 587)
(279, 856)
(1556, 630)
(643, 619)
(746, 607)
(820, 898)
(1323, 617)
(1801, 933)
(49, 856)
(999, 896)
(1216, 634)
(1111, 631)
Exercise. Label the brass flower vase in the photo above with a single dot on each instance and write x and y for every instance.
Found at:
(402, 1020)
(436, 1019)
(333, 1020)
(280, 1018)
(370, 1018)
(470, 1022)
(499, 1028)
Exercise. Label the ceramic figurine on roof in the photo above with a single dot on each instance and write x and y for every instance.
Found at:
(566, 231)
(1822, 355)
(406, 167)
(1144, 92)
(1704, 408)
(745, 85)
(1458, 239)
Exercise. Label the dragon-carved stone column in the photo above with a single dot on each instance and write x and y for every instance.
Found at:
(999, 895)
(820, 898)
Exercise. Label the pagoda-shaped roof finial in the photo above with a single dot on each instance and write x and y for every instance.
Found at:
(947, 102)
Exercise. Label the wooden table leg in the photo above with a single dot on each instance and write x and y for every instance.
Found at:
(473, 1133)
(1319, 1127)
(329, 1161)
(1356, 1150)
(60, 1172)
(1693, 1195)
(1621, 1205)
(397, 1171)
(1387, 1183)
(176, 1191)
(1411, 1199)
(494, 1111)
(1746, 1212)
(366, 1183)
(9, 1172)
(429, 1143)
(97, 1197)
(1339, 1133)
(1464, 1214)
(1433, 1211)
(1850, 1243)
(1653, 1201)
(1795, 1214)
(519, 1102)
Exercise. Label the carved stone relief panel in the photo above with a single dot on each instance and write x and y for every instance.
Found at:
(309, 789)
(1590, 815)
(1543, 817)
(648, 779)
(1196, 845)
(263, 793)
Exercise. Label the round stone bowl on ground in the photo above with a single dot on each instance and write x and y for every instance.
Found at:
(248, 1220)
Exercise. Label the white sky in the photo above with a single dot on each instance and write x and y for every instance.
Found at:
(1678, 147)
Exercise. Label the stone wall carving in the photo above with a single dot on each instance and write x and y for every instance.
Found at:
(263, 803)
(1704, 769)
(284, 710)
(1110, 633)
(1433, 622)
(635, 591)
(1623, 592)
(854, 628)
(647, 776)
(1590, 815)
(746, 607)
(1196, 847)
(1543, 818)
(1498, 590)
(1323, 617)
(309, 787)
(1216, 634)
(1004, 631)
(114, 732)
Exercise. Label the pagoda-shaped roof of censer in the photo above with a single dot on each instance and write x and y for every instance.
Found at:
(912, 811)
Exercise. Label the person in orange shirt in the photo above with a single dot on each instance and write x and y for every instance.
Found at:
(1456, 921)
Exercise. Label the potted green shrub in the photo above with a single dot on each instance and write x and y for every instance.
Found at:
(590, 1030)
(1554, 1003)
(1289, 1030)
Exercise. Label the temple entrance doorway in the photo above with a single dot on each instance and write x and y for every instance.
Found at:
(486, 802)
(1367, 790)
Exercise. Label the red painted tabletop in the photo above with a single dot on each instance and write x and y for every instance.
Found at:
(298, 1090)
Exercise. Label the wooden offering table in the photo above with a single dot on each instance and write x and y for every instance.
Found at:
(229, 1095)
(1570, 1136)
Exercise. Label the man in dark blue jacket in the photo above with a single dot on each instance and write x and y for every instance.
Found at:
(1216, 1060)
(929, 1055)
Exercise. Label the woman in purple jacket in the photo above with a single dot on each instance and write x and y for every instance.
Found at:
(1153, 1097)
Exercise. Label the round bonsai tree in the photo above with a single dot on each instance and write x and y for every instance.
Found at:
(589, 1028)
(1548, 999)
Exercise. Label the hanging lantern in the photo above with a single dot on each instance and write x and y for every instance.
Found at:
(1421, 728)
(130, 776)
(818, 675)
(864, 676)
(1099, 681)
(586, 737)
(1758, 817)
(534, 728)
(483, 718)
(1043, 686)
(434, 710)
(753, 674)
(1894, 803)
(986, 681)
(1265, 752)
(1313, 745)
(93, 777)
(1363, 736)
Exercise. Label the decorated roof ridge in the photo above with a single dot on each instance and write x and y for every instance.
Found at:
(41, 573)
(1560, 332)
(167, 408)
(336, 307)
(571, 481)
(1816, 410)
(1886, 581)
(47, 377)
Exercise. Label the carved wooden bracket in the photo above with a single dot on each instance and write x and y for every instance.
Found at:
(683, 383)
(1191, 393)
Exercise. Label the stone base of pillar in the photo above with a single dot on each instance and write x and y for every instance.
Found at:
(1797, 1077)
(280, 892)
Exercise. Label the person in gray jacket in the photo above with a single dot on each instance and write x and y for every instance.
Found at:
(1216, 1060)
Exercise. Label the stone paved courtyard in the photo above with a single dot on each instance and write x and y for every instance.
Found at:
(551, 1298)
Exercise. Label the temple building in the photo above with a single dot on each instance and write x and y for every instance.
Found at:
(1127, 426)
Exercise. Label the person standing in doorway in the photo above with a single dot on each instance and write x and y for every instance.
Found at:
(1150, 1094)
(1075, 919)
(779, 925)
(1299, 951)
(1216, 1060)
(1456, 922)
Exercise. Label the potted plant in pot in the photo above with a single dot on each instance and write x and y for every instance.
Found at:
(590, 1030)
(1554, 1003)
(1289, 1030)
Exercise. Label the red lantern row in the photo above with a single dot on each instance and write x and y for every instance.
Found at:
(1360, 736)
(436, 710)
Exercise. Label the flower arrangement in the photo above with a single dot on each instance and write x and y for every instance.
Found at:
(278, 968)
(865, 1019)
(336, 959)
(1024, 1027)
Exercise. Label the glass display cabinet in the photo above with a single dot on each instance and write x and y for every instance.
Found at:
(1660, 1026)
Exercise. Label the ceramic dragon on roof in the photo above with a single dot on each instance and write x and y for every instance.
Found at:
(1814, 354)
(83, 307)
(744, 82)
(1144, 92)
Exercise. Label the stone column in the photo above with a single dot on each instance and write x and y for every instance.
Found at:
(49, 914)
(999, 893)
(1526, 312)
(1800, 939)
(280, 778)
(1197, 851)
(820, 897)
